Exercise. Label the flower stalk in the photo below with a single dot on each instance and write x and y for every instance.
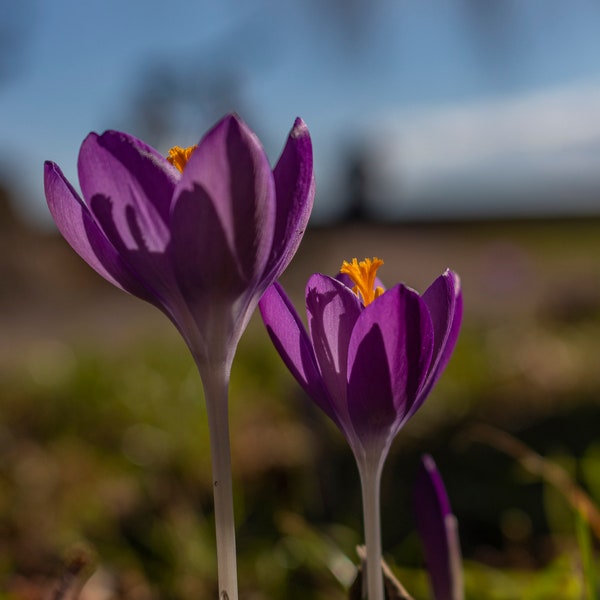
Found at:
(215, 382)
(370, 480)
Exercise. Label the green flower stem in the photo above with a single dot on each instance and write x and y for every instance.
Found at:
(370, 479)
(216, 385)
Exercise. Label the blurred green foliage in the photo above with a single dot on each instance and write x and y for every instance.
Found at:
(104, 450)
(109, 451)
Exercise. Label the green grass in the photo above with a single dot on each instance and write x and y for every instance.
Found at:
(104, 447)
(110, 451)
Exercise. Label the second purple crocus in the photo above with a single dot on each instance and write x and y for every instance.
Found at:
(369, 360)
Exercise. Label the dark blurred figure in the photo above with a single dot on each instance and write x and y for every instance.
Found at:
(6, 212)
(357, 187)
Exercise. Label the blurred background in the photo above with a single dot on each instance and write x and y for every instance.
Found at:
(451, 133)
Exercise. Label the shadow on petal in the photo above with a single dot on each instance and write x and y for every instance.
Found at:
(205, 267)
(252, 203)
(332, 312)
(102, 209)
(121, 166)
(390, 351)
(229, 177)
(370, 399)
(150, 277)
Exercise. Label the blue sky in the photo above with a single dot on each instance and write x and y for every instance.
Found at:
(451, 101)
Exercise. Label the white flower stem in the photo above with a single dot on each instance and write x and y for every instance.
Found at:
(216, 385)
(370, 479)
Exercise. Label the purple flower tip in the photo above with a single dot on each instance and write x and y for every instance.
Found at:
(439, 532)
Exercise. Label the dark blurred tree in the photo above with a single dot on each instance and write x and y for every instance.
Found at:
(349, 18)
(496, 31)
(7, 215)
(170, 101)
(177, 96)
(15, 18)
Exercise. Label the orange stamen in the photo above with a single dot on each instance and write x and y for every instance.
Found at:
(178, 156)
(363, 275)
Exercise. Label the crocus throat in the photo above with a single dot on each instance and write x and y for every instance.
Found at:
(178, 156)
(363, 275)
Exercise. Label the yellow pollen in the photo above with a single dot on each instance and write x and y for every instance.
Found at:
(178, 156)
(363, 275)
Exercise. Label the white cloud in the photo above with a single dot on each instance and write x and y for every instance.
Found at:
(543, 141)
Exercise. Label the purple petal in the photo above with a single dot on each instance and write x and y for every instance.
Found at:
(390, 351)
(439, 533)
(295, 189)
(444, 301)
(204, 265)
(293, 344)
(78, 227)
(136, 181)
(332, 312)
(229, 171)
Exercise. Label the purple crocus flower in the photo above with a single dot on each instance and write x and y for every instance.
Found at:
(371, 357)
(438, 530)
(201, 235)
(369, 361)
